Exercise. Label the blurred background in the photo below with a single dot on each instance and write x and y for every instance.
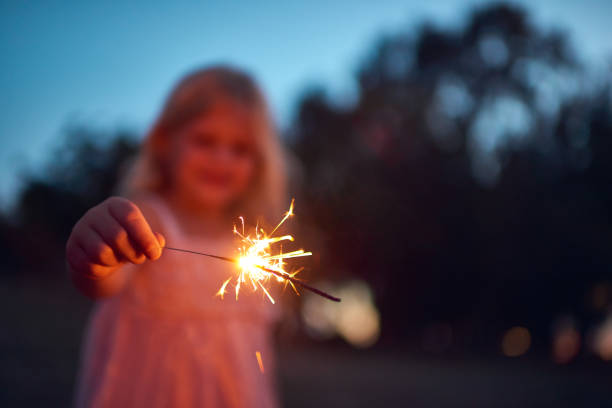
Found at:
(451, 163)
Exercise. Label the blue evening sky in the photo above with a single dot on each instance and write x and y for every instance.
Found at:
(110, 63)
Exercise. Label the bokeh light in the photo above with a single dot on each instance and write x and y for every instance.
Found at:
(355, 319)
(516, 341)
(566, 341)
(602, 341)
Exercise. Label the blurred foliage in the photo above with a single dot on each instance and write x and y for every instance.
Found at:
(81, 174)
(469, 183)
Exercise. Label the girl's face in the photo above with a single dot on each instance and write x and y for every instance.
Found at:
(213, 158)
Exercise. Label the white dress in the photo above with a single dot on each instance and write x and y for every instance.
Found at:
(166, 340)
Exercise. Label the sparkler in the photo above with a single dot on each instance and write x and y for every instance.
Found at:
(257, 263)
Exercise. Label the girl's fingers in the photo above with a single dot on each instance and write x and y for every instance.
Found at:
(160, 239)
(97, 249)
(117, 238)
(79, 261)
(131, 219)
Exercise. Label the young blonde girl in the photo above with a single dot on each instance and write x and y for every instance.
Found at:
(158, 336)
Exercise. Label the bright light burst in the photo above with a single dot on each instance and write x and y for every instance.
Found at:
(262, 259)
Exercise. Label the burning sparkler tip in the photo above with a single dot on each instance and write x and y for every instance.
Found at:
(257, 264)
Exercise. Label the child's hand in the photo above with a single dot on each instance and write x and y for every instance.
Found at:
(109, 235)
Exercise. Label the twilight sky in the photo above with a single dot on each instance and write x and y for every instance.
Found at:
(110, 64)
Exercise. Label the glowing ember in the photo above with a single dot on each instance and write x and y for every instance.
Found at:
(221, 291)
(260, 262)
(259, 361)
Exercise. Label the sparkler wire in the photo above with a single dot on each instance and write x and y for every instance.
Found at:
(272, 271)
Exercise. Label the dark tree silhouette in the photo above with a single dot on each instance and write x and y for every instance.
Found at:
(80, 175)
(469, 183)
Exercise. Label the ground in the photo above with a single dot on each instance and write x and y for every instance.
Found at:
(42, 328)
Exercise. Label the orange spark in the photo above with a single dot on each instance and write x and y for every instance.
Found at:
(259, 361)
(221, 291)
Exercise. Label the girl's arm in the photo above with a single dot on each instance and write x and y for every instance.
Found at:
(107, 237)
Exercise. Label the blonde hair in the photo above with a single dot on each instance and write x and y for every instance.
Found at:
(190, 99)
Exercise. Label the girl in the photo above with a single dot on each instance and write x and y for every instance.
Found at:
(159, 337)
